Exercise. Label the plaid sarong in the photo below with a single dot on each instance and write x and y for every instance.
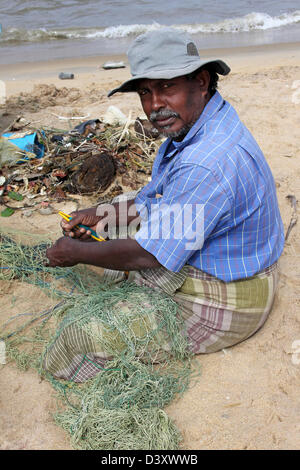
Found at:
(78, 353)
(216, 315)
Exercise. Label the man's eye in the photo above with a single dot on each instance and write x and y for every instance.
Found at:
(142, 92)
(167, 85)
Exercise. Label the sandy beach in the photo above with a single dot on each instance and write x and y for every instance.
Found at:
(247, 396)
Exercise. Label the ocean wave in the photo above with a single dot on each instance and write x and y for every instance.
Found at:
(251, 22)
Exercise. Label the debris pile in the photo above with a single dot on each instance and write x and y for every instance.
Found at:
(94, 158)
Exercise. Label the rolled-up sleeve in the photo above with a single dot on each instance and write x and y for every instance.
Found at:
(176, 225)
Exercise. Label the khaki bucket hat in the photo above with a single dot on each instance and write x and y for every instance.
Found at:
(164, 54)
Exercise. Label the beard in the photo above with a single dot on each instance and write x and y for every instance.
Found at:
(180, 134)
(166, 113)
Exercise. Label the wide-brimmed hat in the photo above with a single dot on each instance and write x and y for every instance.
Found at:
(164, 54)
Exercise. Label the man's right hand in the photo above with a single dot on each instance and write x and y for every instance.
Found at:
(109, 215)
(86, 217)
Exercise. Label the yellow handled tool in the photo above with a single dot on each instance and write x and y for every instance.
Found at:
(93, 233)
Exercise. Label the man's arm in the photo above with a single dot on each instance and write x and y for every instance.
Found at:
(123, 255)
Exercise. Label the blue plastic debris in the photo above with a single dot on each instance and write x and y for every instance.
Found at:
(27, 142)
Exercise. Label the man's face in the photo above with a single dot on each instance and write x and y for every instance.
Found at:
(173, 106)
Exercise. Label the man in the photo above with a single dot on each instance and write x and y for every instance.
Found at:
(210, 230)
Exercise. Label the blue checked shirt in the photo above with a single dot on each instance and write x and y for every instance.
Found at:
(212, 200)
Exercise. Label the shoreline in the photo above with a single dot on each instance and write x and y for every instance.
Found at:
(20, 77)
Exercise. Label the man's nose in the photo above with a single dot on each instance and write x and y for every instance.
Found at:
(157, 101)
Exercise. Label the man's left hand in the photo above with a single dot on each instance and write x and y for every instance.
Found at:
(62, 253)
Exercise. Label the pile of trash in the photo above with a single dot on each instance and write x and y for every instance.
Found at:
(102, 158)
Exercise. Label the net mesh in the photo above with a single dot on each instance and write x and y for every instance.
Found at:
(140, 329)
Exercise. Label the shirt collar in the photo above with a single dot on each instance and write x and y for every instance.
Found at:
(211, 108)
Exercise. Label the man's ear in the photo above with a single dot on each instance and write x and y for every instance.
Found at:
(203, 79)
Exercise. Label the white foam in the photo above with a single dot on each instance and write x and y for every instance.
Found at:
(251, 22)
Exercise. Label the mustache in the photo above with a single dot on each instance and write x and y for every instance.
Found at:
(163, 114)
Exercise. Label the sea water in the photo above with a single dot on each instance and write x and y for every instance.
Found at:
(52, 29)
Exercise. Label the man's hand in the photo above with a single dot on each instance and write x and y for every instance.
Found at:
(63, 253)
(85, 217)
(99, 219)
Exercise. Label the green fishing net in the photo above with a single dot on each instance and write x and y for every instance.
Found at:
(130, 429)
(23, 258)
(143, 336)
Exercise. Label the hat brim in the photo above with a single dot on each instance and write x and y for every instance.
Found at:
(220, 67)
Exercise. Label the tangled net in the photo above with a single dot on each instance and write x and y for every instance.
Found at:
(122, 406)
(27, 262)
